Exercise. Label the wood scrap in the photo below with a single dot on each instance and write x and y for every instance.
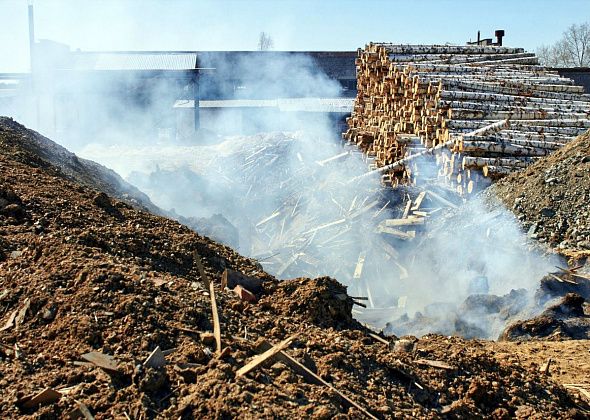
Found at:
(101, 360)
(156, 359)
(358, 271)
(261, 358)
(438, 364)
(214, 311)
(46, 396)
(310, 376)
(231, 279)
(80, 412)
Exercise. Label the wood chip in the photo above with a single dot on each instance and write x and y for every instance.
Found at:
(156, 359)
(103, 361)
(434, 363)
(47, 396)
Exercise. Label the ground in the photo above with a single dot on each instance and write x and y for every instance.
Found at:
(83, 272)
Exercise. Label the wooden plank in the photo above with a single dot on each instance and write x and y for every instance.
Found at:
(407, 209)
(358, 271)
(261, 358)
(418, 201)
(442, 200)
(396, 233)
(412, 221)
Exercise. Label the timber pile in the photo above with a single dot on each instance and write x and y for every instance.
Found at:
(412, 98)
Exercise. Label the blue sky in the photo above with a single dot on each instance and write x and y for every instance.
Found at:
(293, 24)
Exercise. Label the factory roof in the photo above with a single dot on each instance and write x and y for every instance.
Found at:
(134, 60)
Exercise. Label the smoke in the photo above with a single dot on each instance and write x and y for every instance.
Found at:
(273, 166)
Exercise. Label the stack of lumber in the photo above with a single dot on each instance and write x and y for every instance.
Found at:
(412, 98)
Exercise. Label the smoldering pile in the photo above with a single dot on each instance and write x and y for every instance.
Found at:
(297, 215)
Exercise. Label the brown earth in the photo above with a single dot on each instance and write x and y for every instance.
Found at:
(82, 272)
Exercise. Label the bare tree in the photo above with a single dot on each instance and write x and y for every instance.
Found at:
(572, 50)
(265, 42)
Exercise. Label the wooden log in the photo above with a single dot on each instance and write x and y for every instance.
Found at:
(480, 162)
(453, 95)
(445, 49)
(497, 171)
(503, 148)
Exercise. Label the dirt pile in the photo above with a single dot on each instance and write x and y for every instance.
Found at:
(569, 318)
(30, 147)
(551, 198)
(102, 309)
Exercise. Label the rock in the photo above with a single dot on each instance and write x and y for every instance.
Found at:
(547, 212)
(48, 314)
(403, 345)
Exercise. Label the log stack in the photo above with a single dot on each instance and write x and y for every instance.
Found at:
(412, 98)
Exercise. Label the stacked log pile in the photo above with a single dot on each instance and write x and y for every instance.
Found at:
(413, 98)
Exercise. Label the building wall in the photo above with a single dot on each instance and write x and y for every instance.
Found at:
(579, 75)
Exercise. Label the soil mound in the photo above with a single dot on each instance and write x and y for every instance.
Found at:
(33, 149)
(551, 198)
(321, 301)
(103, 311)
(567, 319)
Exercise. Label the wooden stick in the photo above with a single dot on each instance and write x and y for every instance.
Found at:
(261, 358)
(311, 376)
(214, 311)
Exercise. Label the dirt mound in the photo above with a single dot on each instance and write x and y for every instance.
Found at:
(33, 149)
(322, 301)
(92, 290)
(569, 318)
(551, 198)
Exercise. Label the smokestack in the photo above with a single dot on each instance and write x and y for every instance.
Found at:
(499, 35)
(31, 35)
(478, 37)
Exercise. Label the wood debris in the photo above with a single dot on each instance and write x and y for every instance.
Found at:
(214, 311)
(434, 363)
(47, 396)
(309, 375)
(101, 360)
(261, 358)
(156, 359)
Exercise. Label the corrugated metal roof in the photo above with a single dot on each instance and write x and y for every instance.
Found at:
(135, 61)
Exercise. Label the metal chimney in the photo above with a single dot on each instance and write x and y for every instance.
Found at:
(31, 35)
(499, 35)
